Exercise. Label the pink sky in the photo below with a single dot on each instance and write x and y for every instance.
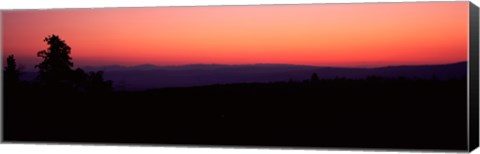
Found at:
(375, 34)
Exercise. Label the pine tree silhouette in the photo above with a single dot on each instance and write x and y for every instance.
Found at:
(56, 67)
(11, 72)
(57, 73)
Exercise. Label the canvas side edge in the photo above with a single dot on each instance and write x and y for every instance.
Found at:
(473, 78)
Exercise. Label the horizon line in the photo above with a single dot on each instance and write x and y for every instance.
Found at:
(31, 69)
(246, 64)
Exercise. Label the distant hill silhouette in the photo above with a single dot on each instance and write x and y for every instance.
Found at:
(148, 76)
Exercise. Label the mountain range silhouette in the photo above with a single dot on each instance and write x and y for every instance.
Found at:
(147, 76)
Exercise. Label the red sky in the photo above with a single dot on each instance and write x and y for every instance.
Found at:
(368, 34)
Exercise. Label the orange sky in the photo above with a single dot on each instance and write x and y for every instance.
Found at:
(369, 34)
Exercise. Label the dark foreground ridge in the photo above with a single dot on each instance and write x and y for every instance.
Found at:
(374, 112)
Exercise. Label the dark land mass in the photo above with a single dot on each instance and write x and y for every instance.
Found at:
(145, 77)
(374, 112)
(398, 107)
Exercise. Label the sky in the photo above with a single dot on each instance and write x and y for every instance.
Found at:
(347, 35)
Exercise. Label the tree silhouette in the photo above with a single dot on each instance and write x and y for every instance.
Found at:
(314, 77)
(56, 66)
(56, 70)
(11, 72)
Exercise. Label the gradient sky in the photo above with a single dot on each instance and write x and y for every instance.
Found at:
(374, 34)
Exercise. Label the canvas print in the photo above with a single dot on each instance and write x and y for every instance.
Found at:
(367, 75)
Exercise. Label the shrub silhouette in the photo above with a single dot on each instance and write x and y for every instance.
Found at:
(96, 83)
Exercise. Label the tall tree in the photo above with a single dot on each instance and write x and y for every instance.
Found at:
(56, 70)
(11, 72)
(56, 65)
